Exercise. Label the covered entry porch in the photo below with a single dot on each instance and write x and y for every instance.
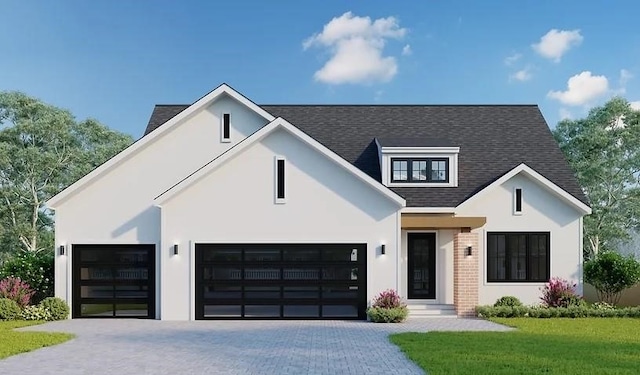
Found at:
(438, 262)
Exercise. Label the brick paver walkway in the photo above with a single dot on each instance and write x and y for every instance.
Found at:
(228, 347)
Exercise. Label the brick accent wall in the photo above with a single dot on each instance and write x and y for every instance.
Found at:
(465, 273)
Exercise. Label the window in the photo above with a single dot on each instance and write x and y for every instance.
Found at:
(518, 257)
(280, 196)
(420, 170)
(226, 127)
(517, 203)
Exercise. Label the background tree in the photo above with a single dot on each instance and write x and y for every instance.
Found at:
(43, 149)
(604, 151)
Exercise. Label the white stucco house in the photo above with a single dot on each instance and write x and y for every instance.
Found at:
(226, 209)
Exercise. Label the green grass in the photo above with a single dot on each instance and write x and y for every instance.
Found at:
(14, 342)
(539, 346)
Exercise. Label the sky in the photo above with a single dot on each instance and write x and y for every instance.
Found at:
(113, 60)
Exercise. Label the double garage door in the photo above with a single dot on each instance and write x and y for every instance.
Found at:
(233, 281)
(290, 281)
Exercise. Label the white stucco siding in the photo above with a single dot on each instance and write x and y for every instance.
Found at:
(542, 211)
(235, 203)
(117, 207)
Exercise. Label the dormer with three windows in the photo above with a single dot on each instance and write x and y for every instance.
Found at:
(414, 162)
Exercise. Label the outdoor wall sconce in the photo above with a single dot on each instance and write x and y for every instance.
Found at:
(469, 251)
(383, 249)
(61, 249)
(175, 249)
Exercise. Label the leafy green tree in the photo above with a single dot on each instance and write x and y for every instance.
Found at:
(604, 150)
(611, 273)
(43, 149)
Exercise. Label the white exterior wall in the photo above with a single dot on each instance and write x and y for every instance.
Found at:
(444, 265)
(541, 211)
(235, 204)
(118, 206)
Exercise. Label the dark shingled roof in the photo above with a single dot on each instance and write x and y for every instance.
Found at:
(493, 139)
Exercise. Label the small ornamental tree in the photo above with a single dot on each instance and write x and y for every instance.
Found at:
(611, 273)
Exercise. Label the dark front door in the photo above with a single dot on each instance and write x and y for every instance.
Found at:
(281, 281)
(422, 265)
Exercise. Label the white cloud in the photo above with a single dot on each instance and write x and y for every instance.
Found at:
(581, 89)
(625, 77)
(565, 114)
(406, 50)
(556, 43)
(635, 105)
(510, 60)
(521, 75)
(356, 46)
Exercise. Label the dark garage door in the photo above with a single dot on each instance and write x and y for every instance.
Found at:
(114, 281)
(290, 281)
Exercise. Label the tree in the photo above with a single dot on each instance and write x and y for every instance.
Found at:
(604, 151)
(43, 149)
(611, 273)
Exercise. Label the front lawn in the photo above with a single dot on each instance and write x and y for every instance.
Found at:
(14, 342)
(539, 346)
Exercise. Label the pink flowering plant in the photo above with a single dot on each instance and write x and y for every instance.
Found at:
(559, 292)
(388, 307)
(16, 290)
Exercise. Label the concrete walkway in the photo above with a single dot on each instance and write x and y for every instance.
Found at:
(228, 347)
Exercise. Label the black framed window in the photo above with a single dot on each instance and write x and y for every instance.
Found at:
(226, 126)
(420, 170)
(518, 257)
(518, 201)
(280, 179)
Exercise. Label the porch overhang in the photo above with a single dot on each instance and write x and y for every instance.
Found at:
(435, 221)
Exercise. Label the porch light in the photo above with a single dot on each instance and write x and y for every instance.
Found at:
(61, 248)
(175, 249)
(469, 251)
(382, 249)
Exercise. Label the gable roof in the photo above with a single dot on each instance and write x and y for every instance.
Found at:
(168, 124)
(493, 140)
(278, 123)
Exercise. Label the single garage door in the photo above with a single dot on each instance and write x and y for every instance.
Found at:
(113, 281)
(290, 281)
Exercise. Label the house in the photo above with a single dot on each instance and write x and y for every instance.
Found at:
(229, 209)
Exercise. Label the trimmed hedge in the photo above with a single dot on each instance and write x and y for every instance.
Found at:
(555, 312)
(57, 308)
(388, 315)
(9, 309)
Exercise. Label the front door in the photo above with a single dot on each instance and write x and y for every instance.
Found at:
(422, 265)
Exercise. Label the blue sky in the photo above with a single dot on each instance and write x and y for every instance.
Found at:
(113, 60)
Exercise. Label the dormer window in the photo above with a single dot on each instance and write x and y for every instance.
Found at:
(413, 162)
(420, 170)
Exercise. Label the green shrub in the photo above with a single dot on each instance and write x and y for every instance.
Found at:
(387, 315)
(35, 312)
(34, 268)
(9, 309)
(57, 308)
(582, 311)
(508, 301)
(611, 273)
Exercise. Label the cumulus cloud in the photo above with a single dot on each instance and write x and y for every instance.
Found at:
(521, 75)
(356, 46)
(556, 43)
(511, 59)
(635, 105)
(406, 50)
(581, 89)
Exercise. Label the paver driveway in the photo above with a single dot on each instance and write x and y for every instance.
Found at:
(228, 347)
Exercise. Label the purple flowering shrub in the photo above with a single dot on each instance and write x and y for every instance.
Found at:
(388, 307)
(16, 290)
(559, 292)
(388, 299)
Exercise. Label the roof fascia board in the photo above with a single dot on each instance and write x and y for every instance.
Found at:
(255, 137)
(543, 181)
(419, 150)
(153, 136)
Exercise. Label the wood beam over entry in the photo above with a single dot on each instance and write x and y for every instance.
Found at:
(436, 221)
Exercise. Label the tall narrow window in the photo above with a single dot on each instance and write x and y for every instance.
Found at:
(280, 173)
(517, 201)
(226, 127)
